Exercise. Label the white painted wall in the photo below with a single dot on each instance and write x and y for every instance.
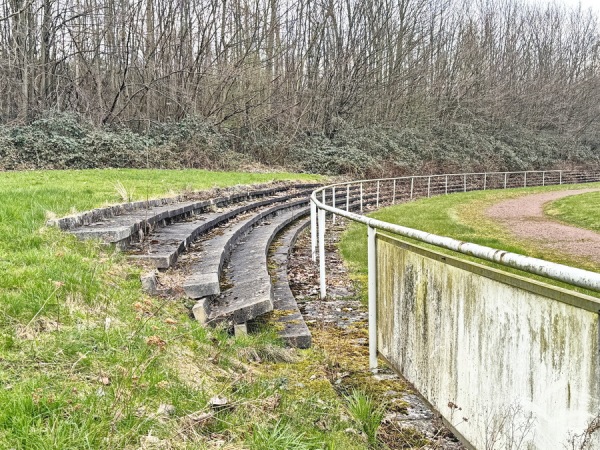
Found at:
(495, 350)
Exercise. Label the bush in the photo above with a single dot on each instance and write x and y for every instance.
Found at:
(65, 141)
(61, 141)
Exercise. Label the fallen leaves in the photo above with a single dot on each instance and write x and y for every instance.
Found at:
(156, 341)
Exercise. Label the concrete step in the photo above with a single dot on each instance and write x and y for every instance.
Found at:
(294, 332)
(163, 246)
(122, 224)
(206, 270)
(252, 292)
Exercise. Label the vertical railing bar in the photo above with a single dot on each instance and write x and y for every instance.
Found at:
(484, 181)
(347, 197)
(465, 183)
(543, 178)
(313, 230)
(377, 201)
(322, 283)
(333, 204)
(560, 177)
(428, 187)
(394, 194)
(412, 185)
(525, 182)
(446, 184)
(361, 197)
(505, 179)
(372, 295)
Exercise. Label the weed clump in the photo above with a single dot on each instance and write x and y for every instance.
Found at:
(366, 414)
(280, 436)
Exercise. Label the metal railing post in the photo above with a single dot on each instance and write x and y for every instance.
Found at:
(322, 253)
(361, 197)
(333, 203)
(394, 194)
(484, 181)
(313, 230)
(465, 182)
(505, 179)
(377, 201)
(428, 187)
(347, 197)
(372, 282)
(525, 182)
(446, 184)
(543, 178)
(560, 177)
(412, 185)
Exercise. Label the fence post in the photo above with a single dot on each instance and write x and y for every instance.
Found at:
(394, 194)
(543, 178)
(347, 197)
(322, 253)
(505, 177)
(372, 281)
(428, 187)
(361, 196)
(465, 182)
(560, 177)
(412, 185)
(484, 181)
(313, 230)
(446, 184)
(333, 204)
(377, 202)
(525, 182)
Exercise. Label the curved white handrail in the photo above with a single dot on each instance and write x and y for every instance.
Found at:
(560, 272)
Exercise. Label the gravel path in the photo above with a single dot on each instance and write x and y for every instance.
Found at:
(525, 218)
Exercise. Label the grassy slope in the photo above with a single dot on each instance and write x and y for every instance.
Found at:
(32, 255)
(86, 359)
(461, 216)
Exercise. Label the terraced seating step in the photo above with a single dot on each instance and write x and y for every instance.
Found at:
(252, 292)
(121, 223)
(206, 270)
(204, 283)
(165, 244)
(294, 332)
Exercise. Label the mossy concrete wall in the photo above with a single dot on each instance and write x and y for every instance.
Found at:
(502, 358)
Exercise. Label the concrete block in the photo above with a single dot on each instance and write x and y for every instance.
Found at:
(200, 310)
(149, 282)
(202, 285)
(239, 329)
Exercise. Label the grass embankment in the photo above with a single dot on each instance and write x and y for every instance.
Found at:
(89, 362)
(579, 210)
(462, 216)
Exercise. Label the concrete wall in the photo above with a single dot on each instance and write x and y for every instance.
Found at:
(519, 358)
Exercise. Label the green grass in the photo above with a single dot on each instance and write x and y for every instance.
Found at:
(367, 415)
(279, 436)
(86, 359)
(460, 216)
(33, 259)
(581, 210)
(61, 191)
